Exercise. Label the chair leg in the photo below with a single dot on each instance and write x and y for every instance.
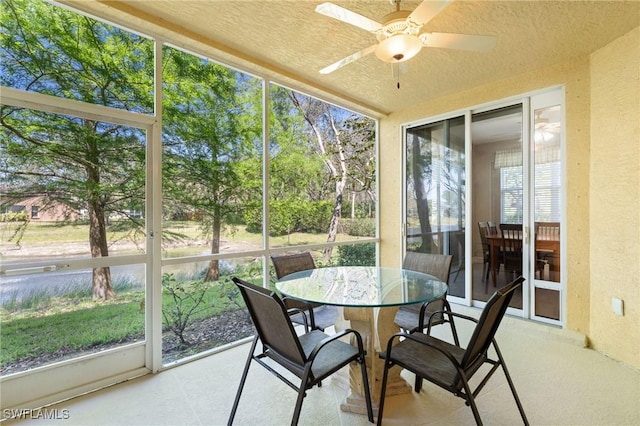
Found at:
(242, 380)
(511, 385)
(367, 391)
(454, 332)
(472, 402)
(418, 385)
(302, 392)
(383, 390)
(485, 271)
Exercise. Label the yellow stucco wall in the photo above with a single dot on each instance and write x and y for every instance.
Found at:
(615, 198)
(575, 75)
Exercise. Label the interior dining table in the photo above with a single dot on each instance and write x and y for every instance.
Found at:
(494, 240)
(368, 298)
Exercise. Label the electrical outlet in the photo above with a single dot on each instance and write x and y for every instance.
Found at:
(617, 306)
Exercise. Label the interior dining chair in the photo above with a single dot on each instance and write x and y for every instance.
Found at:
(452, 367)
(511, 249)
(483, 227)
(320, 316)
(311, 357)
(547, 260)
(493, 228)
(412, 318)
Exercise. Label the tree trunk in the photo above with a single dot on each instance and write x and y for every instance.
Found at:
(422, 203)
(102, 286)
(335, 218)
(213, 272)
(341, 182)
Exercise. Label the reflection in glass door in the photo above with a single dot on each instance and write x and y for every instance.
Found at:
(546, 187)
(498, 201)
(435, 194)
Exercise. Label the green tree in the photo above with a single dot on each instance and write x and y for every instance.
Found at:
(342, 149)
(90, 165)
(298, 179)
(211, 126)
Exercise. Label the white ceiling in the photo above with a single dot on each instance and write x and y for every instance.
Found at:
(287, 37)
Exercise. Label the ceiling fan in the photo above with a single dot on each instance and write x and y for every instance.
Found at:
(400, 37)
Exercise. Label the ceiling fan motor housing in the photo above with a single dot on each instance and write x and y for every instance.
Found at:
(398, 38)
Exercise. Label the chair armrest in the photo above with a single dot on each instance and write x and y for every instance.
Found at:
(337, 336)
(451, 315)
(423, 310)
(413, 337)
(294, 311)
(448, 313)
(292, 303)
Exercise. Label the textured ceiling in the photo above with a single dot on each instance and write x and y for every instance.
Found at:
(288, 38)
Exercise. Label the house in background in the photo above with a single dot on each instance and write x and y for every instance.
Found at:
(40, 209)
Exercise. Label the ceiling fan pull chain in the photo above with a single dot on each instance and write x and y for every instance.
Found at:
(395, 72)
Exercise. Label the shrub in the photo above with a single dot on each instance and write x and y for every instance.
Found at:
(316, 217)
(359, 227)
(188, 298)
(357, 255)
(15, 217)
(289, 216)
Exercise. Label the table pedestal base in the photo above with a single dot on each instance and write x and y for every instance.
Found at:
(376, 327)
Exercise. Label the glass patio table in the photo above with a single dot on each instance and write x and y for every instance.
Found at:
(369, 298)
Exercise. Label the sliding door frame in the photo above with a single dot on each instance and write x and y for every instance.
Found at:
(556, 95)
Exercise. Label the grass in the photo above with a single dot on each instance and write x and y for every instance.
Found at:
(54, 232)
(79, 328)
(51, 324)
(42, 235)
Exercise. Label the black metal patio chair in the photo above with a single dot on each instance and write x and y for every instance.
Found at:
(411, 318)
(311, 357)
(320, 316)
(450, 366)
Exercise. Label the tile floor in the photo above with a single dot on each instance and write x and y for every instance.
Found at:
(559, 382)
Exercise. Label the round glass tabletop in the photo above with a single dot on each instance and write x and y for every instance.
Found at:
(362, 286)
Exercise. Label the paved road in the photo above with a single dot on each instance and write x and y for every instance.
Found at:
(60, 282)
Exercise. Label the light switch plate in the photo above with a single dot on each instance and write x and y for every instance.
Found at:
(617, 306)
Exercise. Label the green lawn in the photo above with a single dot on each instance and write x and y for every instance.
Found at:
(45, 233)
(80, 324)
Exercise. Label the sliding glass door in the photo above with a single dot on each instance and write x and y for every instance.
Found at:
(517, 188)
(546, 203)
(435, 194)
(513, 224)
(498, 202)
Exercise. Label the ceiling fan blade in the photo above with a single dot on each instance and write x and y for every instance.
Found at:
(340, 13)
(427, 10)
(475, 43)
(351, 58)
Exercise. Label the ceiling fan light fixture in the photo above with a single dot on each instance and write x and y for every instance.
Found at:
(398, 48)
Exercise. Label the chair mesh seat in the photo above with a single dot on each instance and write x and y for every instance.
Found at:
(324, 316)
(426, 361)
(409, 317)
(331, 354)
